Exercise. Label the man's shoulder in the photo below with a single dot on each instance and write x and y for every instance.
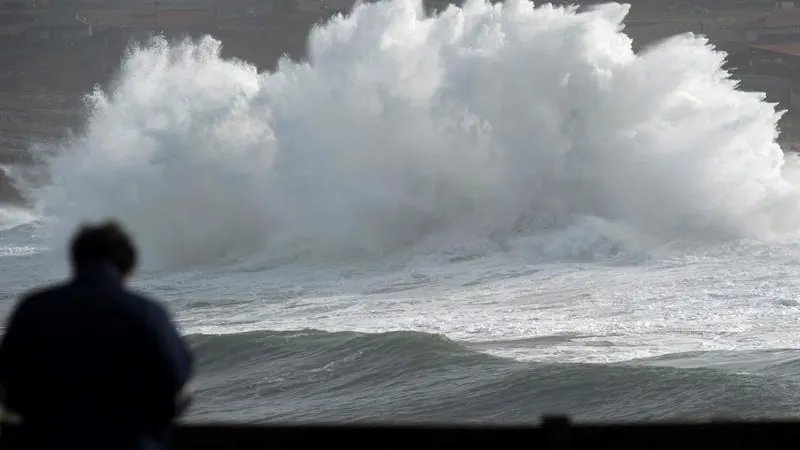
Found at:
(150, 307)
(36, 304)
(39, 295)
(46, 290)
(139, 297)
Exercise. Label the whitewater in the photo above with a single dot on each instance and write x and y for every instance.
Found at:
(486, 214)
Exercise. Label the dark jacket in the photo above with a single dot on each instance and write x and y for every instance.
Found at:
(90, 364)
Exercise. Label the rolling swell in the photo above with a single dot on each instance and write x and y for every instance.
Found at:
(312, 375)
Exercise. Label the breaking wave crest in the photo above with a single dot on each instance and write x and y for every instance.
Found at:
(401, 129)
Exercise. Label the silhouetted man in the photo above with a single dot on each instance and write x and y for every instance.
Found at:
(88, 364)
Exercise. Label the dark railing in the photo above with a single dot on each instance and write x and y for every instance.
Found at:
(554, 433)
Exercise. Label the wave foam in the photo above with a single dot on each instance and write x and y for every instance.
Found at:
(482, 120)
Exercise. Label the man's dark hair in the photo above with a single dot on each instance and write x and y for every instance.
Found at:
(105, 242)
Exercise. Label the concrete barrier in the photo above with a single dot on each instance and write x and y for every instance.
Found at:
(552, 433)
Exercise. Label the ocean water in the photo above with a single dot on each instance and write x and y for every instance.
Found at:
(490, 214)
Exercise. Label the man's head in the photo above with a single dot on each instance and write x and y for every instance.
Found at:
(104, 243)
